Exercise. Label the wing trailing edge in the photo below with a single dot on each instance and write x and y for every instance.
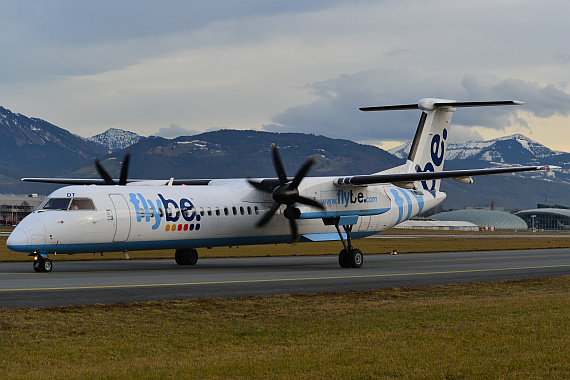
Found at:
(404, 178)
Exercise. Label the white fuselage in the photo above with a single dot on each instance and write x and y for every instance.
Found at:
(223, 213)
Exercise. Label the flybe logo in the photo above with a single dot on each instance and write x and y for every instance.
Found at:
(437, 151)
(348, 197)
(179, 216)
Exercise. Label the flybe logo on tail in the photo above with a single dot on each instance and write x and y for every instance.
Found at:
(171, 211)
(437, 153)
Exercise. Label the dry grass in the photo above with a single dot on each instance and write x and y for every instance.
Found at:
(514, 329)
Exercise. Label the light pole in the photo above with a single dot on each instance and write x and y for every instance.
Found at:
(533, 225)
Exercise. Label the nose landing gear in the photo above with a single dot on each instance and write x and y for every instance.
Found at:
(42, 263)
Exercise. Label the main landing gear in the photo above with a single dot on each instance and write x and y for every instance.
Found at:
(187, 256)
(42, 264)
(349, 257)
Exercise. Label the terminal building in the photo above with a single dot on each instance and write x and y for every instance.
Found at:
(14, 208)
(547, 217)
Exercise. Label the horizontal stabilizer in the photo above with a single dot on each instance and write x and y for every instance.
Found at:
(431, 104)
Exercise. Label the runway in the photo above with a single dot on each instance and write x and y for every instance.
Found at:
(117, 281)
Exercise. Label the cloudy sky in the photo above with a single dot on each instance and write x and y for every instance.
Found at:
(173, 68)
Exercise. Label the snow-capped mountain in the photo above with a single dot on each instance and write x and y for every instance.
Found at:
(508, 149)
(36, 146)
(116, 139)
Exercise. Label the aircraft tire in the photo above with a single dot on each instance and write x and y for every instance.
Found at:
(343, 259)
(178, 256)
(37, 266)
(44, 265)
(191, 256)
(356, 258)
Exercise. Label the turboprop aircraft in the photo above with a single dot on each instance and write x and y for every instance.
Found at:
(106, 214)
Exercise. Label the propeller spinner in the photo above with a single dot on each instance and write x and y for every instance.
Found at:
(286, 193)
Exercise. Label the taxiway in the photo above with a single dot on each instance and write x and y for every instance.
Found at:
(116, 281)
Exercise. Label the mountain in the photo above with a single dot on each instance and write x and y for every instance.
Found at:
(116, 139)
(32, 147)
(512, 191)
(241, 153)
(514, 149)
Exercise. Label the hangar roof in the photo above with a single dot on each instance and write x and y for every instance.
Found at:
(501, 220)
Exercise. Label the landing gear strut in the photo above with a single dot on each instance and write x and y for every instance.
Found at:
(349, 257)
(187, 256)
(42, 264)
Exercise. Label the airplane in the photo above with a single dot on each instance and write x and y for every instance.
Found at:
(110, 215)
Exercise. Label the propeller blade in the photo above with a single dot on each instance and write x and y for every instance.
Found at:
(124, 169)
(302, 172)
(293, 224)
(103, 173)
(309, 202)
(268, 215)
(260, 186)
(278, 165)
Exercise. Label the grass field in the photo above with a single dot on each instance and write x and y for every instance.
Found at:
(514, 330)
(438, 241)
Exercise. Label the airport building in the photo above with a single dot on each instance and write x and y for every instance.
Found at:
(485, 219)
(546, 218)
(14, 208)
(425, 224)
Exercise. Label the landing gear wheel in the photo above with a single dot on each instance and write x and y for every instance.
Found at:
(344, 259)
(178, 257)
(186, 256)
(42, 265)
(356, 258)
(191, 256)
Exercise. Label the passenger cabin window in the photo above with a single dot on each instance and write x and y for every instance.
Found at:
(57, 204)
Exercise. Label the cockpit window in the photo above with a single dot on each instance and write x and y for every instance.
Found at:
(68, 204)
(82, 204)
(57, 204)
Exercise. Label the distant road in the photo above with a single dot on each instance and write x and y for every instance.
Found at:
(114, 281)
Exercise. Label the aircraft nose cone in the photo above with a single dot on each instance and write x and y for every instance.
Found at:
(18, 240)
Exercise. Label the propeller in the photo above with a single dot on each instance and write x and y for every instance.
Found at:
(286, 193)
(124, 170)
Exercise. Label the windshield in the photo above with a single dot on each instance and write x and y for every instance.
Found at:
(57, 204)
(68, 204)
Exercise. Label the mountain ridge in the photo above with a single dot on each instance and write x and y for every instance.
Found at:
(31, 147)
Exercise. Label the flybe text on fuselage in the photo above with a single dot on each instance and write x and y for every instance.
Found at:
(173, 210)
(347, 198)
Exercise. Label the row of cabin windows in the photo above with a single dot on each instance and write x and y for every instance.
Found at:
(241, 210)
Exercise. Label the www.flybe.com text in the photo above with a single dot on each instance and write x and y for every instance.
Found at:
(348, 197)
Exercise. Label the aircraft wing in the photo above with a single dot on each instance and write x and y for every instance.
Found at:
(402, 178)
(100, 181)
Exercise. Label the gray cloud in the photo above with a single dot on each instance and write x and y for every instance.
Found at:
(174, 130)
(335, 112)
(56, 38)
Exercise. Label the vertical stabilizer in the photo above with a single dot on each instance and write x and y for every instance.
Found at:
(427, 153)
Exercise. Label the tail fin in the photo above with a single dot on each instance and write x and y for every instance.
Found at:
(427, 153)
